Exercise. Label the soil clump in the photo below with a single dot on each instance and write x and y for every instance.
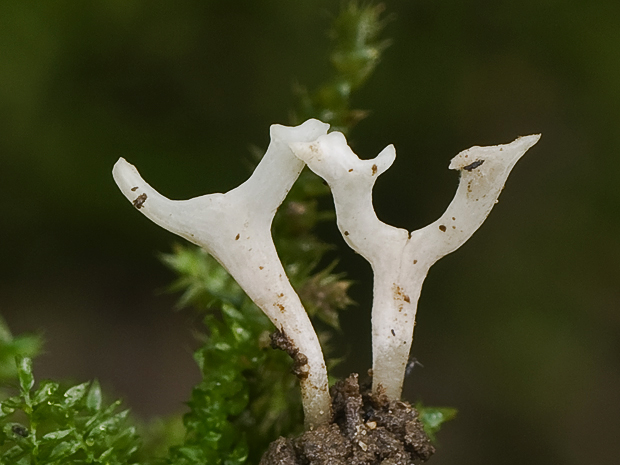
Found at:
(366, 429)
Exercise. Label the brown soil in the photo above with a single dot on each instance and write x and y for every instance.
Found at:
(279, 340)
(366, 430)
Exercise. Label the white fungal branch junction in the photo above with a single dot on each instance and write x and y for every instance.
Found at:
(235, 228)
(400, 260)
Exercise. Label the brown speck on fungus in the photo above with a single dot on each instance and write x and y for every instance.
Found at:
(346, 233)
(442, 228)
(139, 201)
(237, 237)
(133, 189)
(400, 295)
(374, 169)
(474, 165)
(261, 267)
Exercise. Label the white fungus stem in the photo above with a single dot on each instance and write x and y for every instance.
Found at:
(401, 260)
(235, 228)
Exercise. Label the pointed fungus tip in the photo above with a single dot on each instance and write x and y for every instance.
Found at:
(385, 159)
(529, 141)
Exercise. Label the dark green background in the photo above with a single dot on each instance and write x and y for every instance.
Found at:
(520, 329)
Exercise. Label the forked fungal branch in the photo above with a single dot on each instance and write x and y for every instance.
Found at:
(400, 260)
(235, 228)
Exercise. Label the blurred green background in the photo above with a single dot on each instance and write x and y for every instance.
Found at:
(519, 329)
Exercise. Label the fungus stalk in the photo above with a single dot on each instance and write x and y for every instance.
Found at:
(400, 260)
(235, 228)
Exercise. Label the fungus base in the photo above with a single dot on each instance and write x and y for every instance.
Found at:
(367, 430)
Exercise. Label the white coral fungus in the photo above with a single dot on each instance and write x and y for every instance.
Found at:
(400, 260)
(236, 229)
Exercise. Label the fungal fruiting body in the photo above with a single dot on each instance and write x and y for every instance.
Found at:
(400, 260)
(235, 228)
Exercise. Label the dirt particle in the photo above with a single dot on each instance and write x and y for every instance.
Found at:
(139, 202)
(399, 294)
(346, 233)
(374, 169)
(442, 228)
(133, 189)
(261, 267)
(279, 340)
(393, 333)
(350, 170)
(415, 261)
(474, 165)
(237, 237)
